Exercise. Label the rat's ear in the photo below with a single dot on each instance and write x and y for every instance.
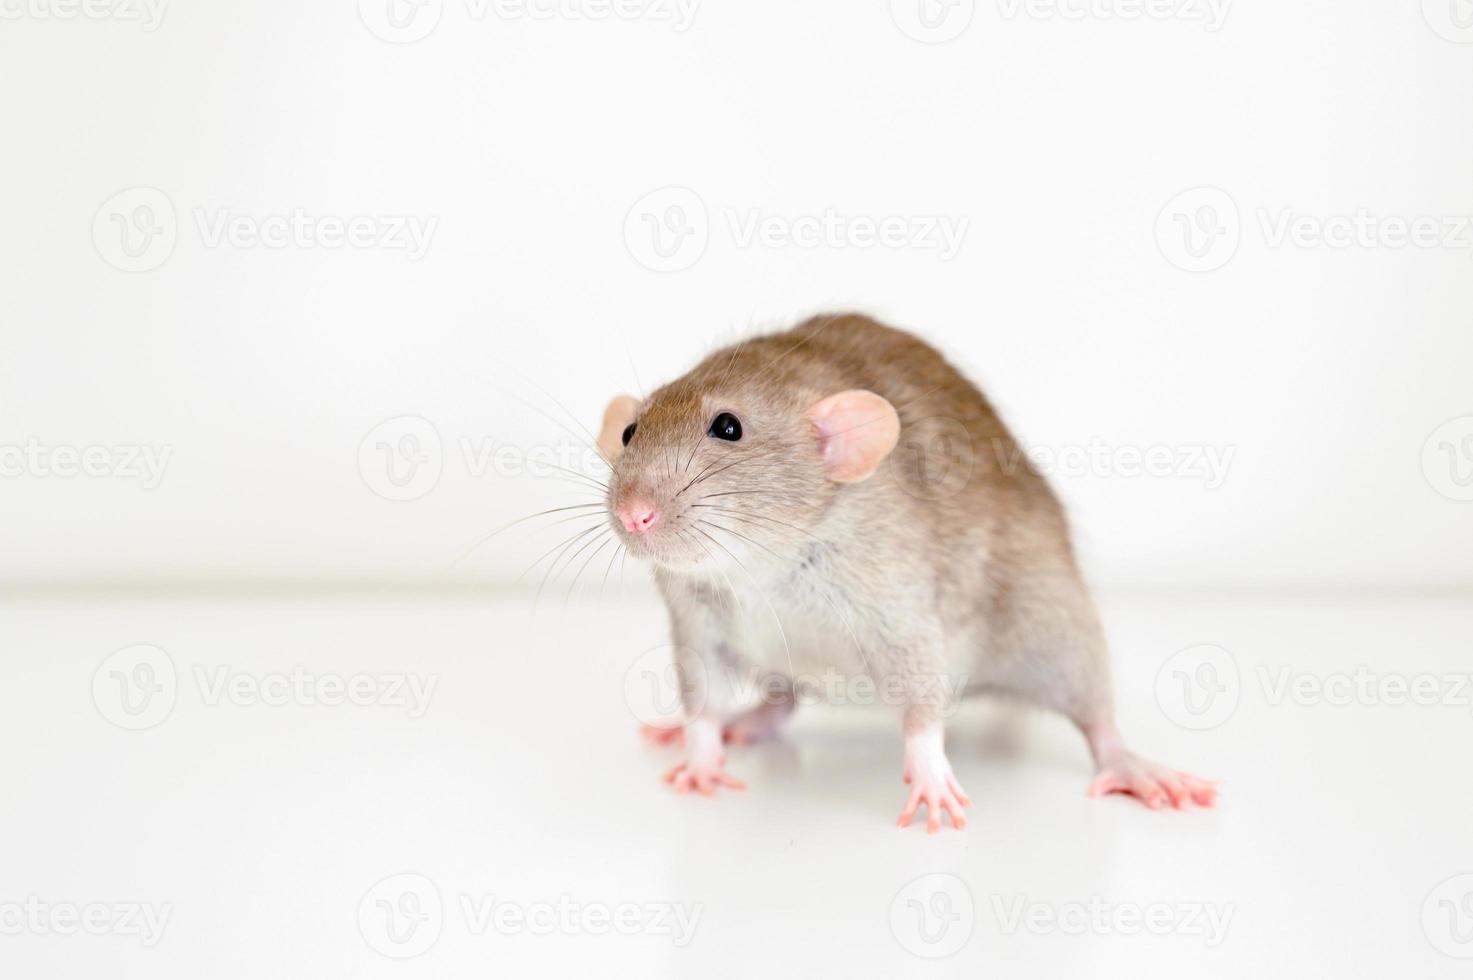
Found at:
(856, 431)
(616, 419)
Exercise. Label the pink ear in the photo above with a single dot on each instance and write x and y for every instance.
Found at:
(616, 418)
(856, 431)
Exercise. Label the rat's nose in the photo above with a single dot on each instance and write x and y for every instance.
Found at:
(638, 516)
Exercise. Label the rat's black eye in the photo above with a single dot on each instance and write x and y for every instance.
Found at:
(726, 426)
(628, 433)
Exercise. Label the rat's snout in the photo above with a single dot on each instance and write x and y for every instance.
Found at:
(637, 515)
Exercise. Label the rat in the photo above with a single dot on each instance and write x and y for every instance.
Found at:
(838, 500)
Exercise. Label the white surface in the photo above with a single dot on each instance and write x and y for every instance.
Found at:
(1060, 139)
(264, 826)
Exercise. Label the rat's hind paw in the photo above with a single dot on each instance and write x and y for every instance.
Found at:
(1153, 785)
(756, 724)
(663, 734)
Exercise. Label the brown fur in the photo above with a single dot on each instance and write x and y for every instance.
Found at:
(945, 569)
(917, 557)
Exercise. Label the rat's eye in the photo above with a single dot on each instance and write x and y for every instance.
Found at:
(726, 426)
(628, 433)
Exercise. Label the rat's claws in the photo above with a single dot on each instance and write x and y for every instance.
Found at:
(940, 794)
(1152, 784)
(704, 779)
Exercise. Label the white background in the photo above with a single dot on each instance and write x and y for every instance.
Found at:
(1059, 137)
(284, 833)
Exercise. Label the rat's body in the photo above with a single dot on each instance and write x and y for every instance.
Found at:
(872, 531)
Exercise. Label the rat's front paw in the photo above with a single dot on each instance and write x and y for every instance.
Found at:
(932, 782)
(704, 767)
(1153, 785)
(939, 792)
(702, 777)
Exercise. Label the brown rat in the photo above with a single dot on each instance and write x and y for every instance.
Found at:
(838, 502)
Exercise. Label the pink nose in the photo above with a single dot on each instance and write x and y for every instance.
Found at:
(638, 516)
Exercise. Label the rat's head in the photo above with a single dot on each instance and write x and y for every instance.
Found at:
(708, 468)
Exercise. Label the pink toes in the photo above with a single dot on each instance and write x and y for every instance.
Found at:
(739, 732)
(939, 797)
(663, 734)
(703, 772)
(703, 780)
(1155, 786)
